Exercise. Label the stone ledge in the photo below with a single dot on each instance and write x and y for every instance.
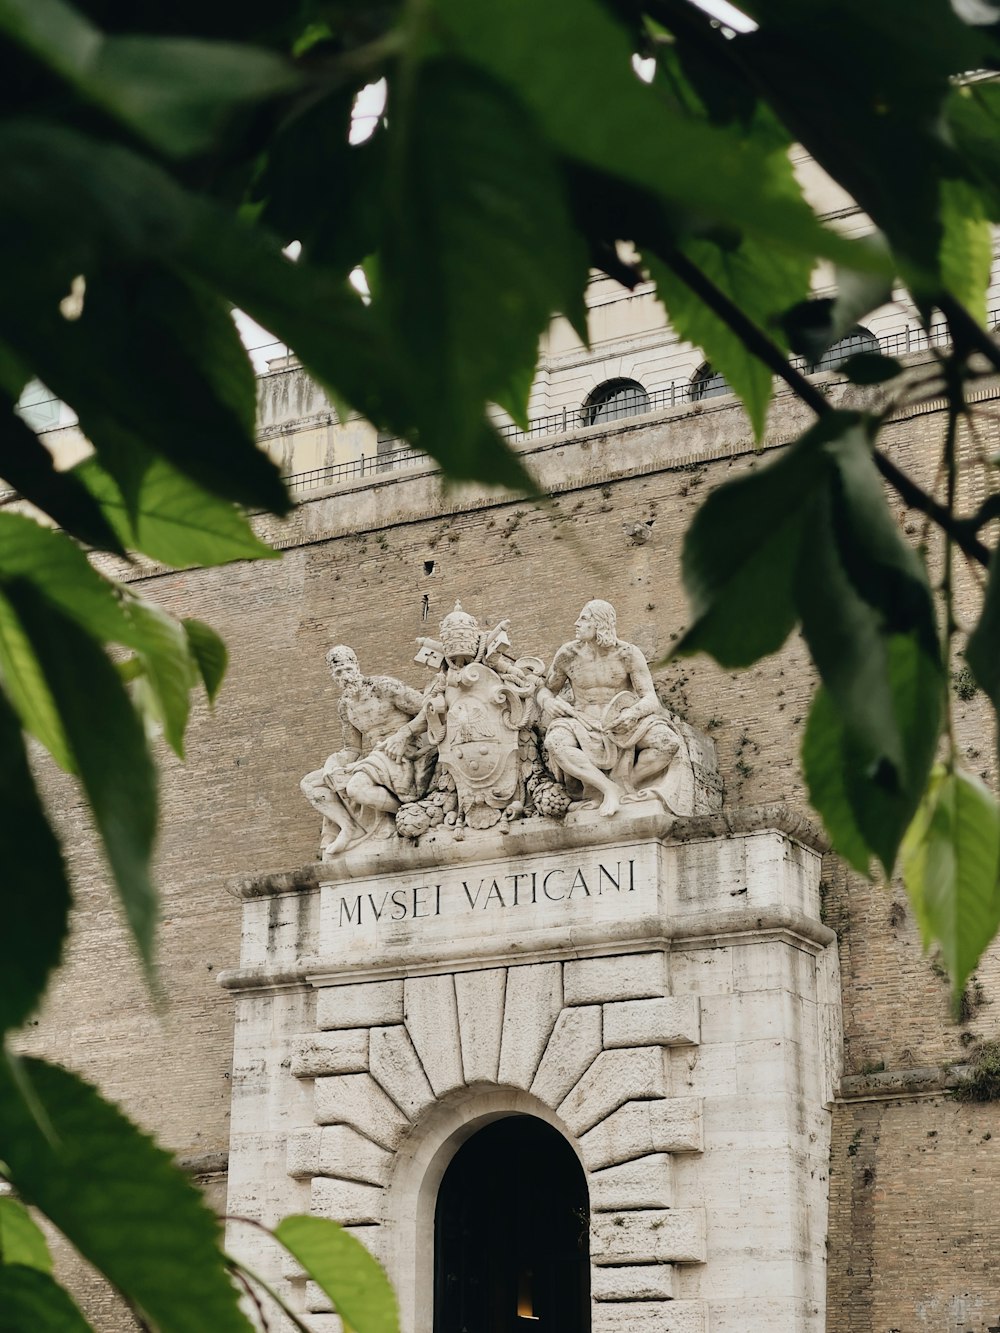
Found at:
(646, 935)
(649, 822)
(922, 1081)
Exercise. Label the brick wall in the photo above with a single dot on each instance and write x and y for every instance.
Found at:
(914, 1226)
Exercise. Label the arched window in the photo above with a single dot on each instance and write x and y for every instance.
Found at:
(511, 1233)
(858, 340)
(708, 383)
(613, 400)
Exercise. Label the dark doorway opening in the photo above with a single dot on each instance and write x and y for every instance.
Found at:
(511, 1234)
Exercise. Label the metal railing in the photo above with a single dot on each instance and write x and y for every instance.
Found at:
(676, 394)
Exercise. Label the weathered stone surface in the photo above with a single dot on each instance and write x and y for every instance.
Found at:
(337, 1150)
(322, 1053)
(480, 998)
(318, 1303)
(432, 1021)
(347, 1201)
(397, 1069)
(357, 1100)
(640, 1128)
(646, 1182)
(632, 976)
(532, 1003)
(656, 1235)
(574, 1045)
(649, 1317)
(644, 1282)
(370, 1004)
(615, 1077)
(672, 1020)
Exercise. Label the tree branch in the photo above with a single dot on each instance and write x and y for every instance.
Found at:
(961, 531)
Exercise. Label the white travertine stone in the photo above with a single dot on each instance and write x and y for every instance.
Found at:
(432, 1021)
(337, 1150)
(480, 997)
(646, 1182)
(630, 976)
(643, 1282)
(615, 1077)
(640, 1128)
(347, 1201)
(672, 1020)
(649, 1317)
(659, 1235)
(319, 1308)
(574, 1045)
(396, 1067)
(376, 1241)
(322, 1053)
(531, 1006)
(370, 1004)
(357, 1100)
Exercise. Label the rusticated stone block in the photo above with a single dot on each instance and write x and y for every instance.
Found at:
(644, 1282)
(370, 1004)
(532, 1004)
(646, 1182)
(615, 1077)
(648, 1317)
(337, 1150)
(357, 1100)
(655, 1235)
(480, 997)
(574, 1045)
(631, 976)
(397, 1069)
(671, 1020)
(347, 1201)
(432, 1021)
(322, 1053)
(637, 1129)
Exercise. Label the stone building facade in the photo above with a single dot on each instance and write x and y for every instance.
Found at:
(788, 1048)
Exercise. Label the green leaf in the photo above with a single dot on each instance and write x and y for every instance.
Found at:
(973, 115)
(870, 368)
(168, 667)
(166, 515)
(21, 1239)
(814, 326)
(742, 548)
(475, 179)
(348, 1274)
(879, 807)
(951, 866)
(119, 1199)
(966, 246)
(762, 281)
(36, 906)
(27, 689)
(557, 54)
(177, 94)
(124, 388)
(59, 569)
(32, 1302)
(847, 642)
(210, 655)
(27, 465)
(106, 740)
(823, 754)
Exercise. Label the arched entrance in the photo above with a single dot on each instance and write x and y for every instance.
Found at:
(511, 1234)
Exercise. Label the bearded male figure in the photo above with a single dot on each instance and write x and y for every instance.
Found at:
(611, 738)
(359, 789)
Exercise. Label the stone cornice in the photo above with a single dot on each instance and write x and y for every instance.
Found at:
(533, 836)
